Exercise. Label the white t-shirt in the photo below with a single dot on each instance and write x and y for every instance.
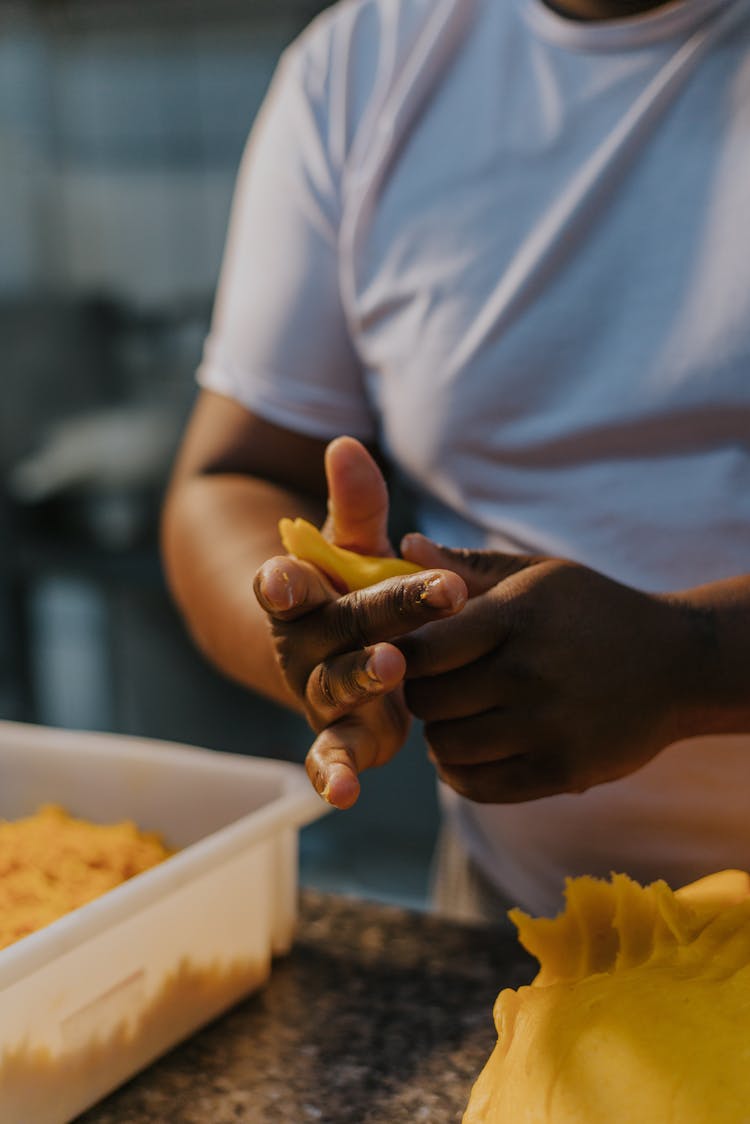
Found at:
(514, 248)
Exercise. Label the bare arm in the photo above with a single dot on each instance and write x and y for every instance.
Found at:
(235, 477)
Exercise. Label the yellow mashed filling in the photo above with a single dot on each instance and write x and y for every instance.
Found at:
(51, 863)
(639, 1014)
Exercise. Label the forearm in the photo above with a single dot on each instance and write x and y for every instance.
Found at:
(712, 662)
(217, 529)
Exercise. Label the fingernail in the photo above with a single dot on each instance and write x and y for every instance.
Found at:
(372, 670)
(436, 593)
(277, 589)
(342, 787)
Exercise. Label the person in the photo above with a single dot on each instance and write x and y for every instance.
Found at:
(502, 249)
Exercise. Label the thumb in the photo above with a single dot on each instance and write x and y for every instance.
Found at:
(480, 569)
(357, 499)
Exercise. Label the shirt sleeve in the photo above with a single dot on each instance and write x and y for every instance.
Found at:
(279, 342)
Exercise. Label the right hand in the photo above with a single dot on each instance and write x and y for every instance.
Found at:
(334, 649)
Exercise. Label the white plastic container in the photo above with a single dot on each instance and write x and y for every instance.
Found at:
(91, 999)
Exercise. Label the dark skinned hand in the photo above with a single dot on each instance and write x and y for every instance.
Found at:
(552, 679)
(335, 651)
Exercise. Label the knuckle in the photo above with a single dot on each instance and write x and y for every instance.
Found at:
(337, 687)
(321, 688)
(364, 615)
(349, 622)
(390, 600)
(489, 565)
(354, 684)
(482, 562)
(402, 597)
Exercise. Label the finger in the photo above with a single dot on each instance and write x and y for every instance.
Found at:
(480, 569)
(471, 689)
(484, 738)
(342, 684)
(511, 781)
(332, 770)
(357, 499)
(288, 588)
(388, 609)
(344, 750)
(484, 625)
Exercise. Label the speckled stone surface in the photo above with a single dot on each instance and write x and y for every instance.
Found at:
(378, 1016)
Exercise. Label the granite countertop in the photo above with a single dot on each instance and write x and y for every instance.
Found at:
(377, 1016)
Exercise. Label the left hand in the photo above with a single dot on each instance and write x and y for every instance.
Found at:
(552, 679)
(334, 650)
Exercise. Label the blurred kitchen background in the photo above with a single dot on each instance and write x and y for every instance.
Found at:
(122, 123)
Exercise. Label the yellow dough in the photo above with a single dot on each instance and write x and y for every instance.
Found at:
(639, 1014)
(345, 568)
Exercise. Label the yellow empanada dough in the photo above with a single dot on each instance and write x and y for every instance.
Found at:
(639, 1014)
(345, 568)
